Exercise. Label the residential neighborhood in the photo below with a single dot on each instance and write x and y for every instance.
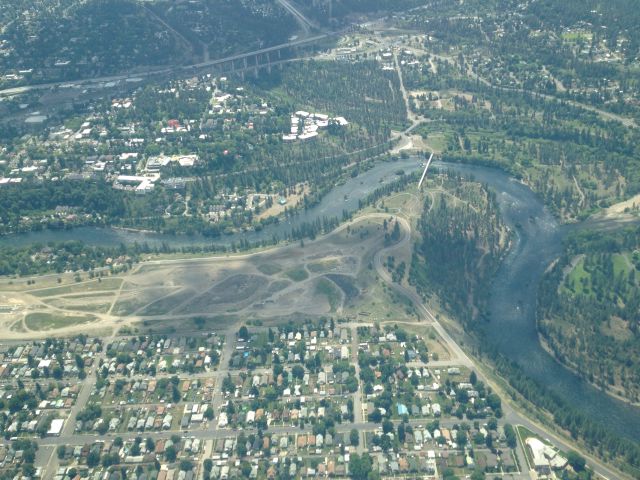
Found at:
(172, 163)
(319, 239)
(302, 400)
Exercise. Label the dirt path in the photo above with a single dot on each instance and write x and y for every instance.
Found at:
(580, 192)
(244, 264)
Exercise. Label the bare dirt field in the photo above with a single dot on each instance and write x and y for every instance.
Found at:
(332, 275)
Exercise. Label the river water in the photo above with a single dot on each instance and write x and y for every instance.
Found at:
(512, 325)
(342, 198)
(511, 328)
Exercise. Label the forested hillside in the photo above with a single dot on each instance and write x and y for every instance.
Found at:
(589, 310)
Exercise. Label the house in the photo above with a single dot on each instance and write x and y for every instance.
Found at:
(328, 439)
(113, 424)
(344, 352)
(251, 417)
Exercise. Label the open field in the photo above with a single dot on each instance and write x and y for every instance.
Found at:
(330, 276)
(49, 321)
(435, 344)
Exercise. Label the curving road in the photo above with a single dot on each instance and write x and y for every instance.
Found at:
(511, 414)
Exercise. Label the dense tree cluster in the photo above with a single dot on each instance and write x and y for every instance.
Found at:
(588, 309)
(462, 240)
(61, 257)
(338, 11)
(23, 200)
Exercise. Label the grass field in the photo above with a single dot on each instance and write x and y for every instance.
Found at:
(90, 305)
(578, 278)
(324, 266)
(47, 321)
(17, 327)
(434, 342)
(269, 268)
(297, 274)
(621, 264)
(328, 289)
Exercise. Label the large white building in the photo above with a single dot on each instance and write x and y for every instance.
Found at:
(305, 125)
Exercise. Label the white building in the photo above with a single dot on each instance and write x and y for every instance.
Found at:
(56, 427)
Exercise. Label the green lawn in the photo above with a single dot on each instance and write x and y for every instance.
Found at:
(578, 279)
(621, 264)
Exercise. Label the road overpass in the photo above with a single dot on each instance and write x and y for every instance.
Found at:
(178, 69)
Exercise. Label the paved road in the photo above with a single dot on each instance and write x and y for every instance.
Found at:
(47, 458)
(626, 121)
(358, 408)
(510, 414)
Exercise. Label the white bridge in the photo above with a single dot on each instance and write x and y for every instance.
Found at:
(424, 174)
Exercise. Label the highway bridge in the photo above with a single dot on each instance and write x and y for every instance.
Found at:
(240, 61)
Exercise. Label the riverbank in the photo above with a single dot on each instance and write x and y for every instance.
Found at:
(511, 329)
(574, 368)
